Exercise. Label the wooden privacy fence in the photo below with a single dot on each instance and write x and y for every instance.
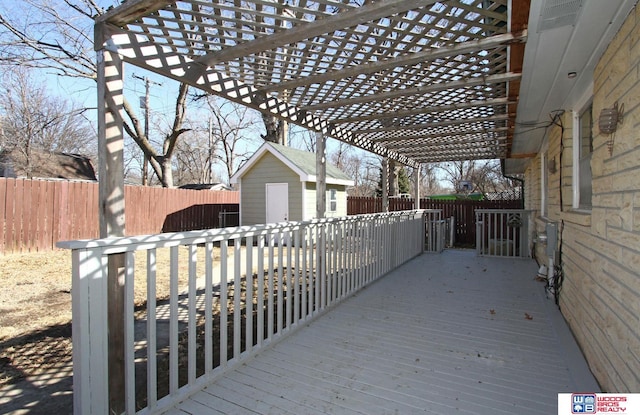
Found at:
(35, 214)
(463, 211)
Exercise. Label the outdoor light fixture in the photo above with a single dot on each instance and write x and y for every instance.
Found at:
(572, 74)
(552, 166)
(608, 122)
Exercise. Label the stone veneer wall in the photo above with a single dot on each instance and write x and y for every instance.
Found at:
(600, 254)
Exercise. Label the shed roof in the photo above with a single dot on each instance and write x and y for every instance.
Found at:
(303, 163)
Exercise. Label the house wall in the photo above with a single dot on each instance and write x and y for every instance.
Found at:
(341, 208)
(252, 189)
(310, 201)
(600, 248)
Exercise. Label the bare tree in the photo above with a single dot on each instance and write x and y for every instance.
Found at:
(195, 158)
(160, 160)
(57, 36)
(340, 155)
(232, 122)
(362, 167)
(34, 121)
(275, 129)
(303, 139)
(217, 143)
(483, 175)
(429, 182)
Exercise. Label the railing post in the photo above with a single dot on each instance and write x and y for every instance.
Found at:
(479, 228)
(90, 333)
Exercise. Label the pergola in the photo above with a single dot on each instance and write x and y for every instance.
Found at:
(415, 81)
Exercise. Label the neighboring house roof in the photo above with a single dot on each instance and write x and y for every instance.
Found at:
(205, 186)
(47, 165)
(301, 162)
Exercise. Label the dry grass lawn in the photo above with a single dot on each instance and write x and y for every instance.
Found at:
(36, 291)
(35, 308)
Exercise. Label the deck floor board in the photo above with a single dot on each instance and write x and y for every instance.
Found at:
(443, 334)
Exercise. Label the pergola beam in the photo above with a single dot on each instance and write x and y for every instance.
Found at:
(382, 33)
(453, 143)
(501, 117)
(421, 90)
(156, 59)
(407, 60)
(368, 12)
(437, 108)
(429, 136)
(454, 146)
(132, 10)
(452, 152)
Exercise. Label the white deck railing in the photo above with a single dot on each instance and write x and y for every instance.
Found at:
(240, 290)
(435, 231)
(502, 232)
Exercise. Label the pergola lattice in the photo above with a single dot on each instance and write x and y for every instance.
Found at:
(412, 80)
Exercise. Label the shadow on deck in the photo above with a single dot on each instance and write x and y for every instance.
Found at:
(449, 333)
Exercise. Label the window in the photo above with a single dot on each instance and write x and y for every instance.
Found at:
(586, 148)
(333, 200)
(583, 148)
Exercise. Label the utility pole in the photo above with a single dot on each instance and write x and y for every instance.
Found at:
(145, 105)
(209, 175)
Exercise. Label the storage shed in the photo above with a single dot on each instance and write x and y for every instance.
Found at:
(278, 183)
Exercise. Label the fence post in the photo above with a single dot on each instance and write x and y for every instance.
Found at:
(452, 231)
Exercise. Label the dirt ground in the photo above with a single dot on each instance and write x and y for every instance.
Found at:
(35, 333)
(35, 330)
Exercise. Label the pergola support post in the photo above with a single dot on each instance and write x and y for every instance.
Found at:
(385, 184)
(321, 175)
(393, 178)
(112, 220)
(416, 187)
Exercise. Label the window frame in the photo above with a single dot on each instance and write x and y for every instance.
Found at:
(583, 104)
(333, 200)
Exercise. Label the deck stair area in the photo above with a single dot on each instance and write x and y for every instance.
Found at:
(443, 334)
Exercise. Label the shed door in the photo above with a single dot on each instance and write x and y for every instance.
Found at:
(277, 202)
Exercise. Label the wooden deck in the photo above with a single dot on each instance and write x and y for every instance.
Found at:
(443, 334)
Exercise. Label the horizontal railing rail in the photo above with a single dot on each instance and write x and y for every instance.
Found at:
(502, 232)
(198, 303)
